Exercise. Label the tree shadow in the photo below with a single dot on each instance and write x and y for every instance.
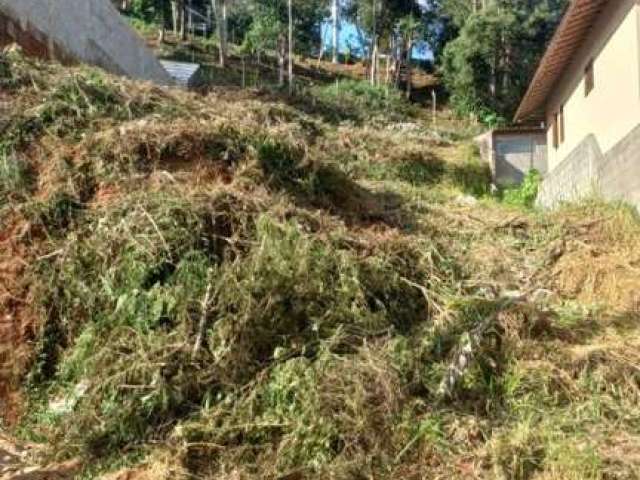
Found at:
(334, 191)
(426, 168)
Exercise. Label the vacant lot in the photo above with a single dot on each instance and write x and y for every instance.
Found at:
(246, 285)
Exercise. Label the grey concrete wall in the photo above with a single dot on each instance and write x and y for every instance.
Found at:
(619, 174)
(518, 153)
(512, 154)
(89, 31)
(615, 174)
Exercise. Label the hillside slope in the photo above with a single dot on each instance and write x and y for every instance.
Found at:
(245, 285)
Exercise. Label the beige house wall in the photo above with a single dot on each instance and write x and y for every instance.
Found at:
(612, 109)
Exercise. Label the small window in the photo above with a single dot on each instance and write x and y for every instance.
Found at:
(589, 78)
(554, 131)
(561, 125)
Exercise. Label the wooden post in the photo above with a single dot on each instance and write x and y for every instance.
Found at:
(434, 106)
(282, 51)
(244, 73)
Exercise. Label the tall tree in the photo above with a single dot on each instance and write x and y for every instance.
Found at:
(335, 20)
(290, 52)
(220, 12)
(410, 30)
(487, 67)
(374, 41)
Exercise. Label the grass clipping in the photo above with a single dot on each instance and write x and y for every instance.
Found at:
(232, 287)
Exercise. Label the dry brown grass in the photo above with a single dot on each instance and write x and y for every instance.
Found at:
(601, 263)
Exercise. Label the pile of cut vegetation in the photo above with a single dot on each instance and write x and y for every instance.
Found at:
(244, 285)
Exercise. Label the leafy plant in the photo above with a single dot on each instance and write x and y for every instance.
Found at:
(524, 195)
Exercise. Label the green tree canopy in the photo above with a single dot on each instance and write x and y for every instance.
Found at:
(489, 64)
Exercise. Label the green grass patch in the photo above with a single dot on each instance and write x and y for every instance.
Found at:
(355, 99)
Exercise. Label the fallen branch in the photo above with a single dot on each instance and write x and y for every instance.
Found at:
(203, 317)
(470, 344)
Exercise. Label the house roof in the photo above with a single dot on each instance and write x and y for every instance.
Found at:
(572, 31)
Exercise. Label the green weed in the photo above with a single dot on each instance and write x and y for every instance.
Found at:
(15, 178)
(525, 195)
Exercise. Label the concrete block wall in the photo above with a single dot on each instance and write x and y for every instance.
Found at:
(619, 174)
(615, 175)
(511, 153)
(89, 31)
(516, 154)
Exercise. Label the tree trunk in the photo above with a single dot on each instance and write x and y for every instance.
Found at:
(220, 11)
(374, 63)
(392, 62)
(374, 45)
(321, 54)
(398, 62)
(290, 11)
(163, 21)
(225, 29)
(161, 33)
(335, 15)
(175, 17)
(409, 70)
(183, 20)
(387, 75)
(281, 54)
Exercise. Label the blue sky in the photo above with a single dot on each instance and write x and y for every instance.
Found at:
(349, 36)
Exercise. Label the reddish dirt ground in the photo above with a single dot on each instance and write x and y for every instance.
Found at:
(16, 324)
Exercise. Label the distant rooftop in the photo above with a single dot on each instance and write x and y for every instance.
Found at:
(183, 73)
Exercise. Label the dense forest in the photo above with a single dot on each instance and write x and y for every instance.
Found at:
(484, 50)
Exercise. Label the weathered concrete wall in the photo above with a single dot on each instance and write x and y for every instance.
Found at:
(615, 174)
(619, 174)
(513, 153)
(89, 31)
(518, 153)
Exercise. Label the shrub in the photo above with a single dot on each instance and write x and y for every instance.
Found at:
(361, 100)
(525, 195)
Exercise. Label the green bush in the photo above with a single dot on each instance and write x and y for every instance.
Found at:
(361, 100)
(525, 195)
